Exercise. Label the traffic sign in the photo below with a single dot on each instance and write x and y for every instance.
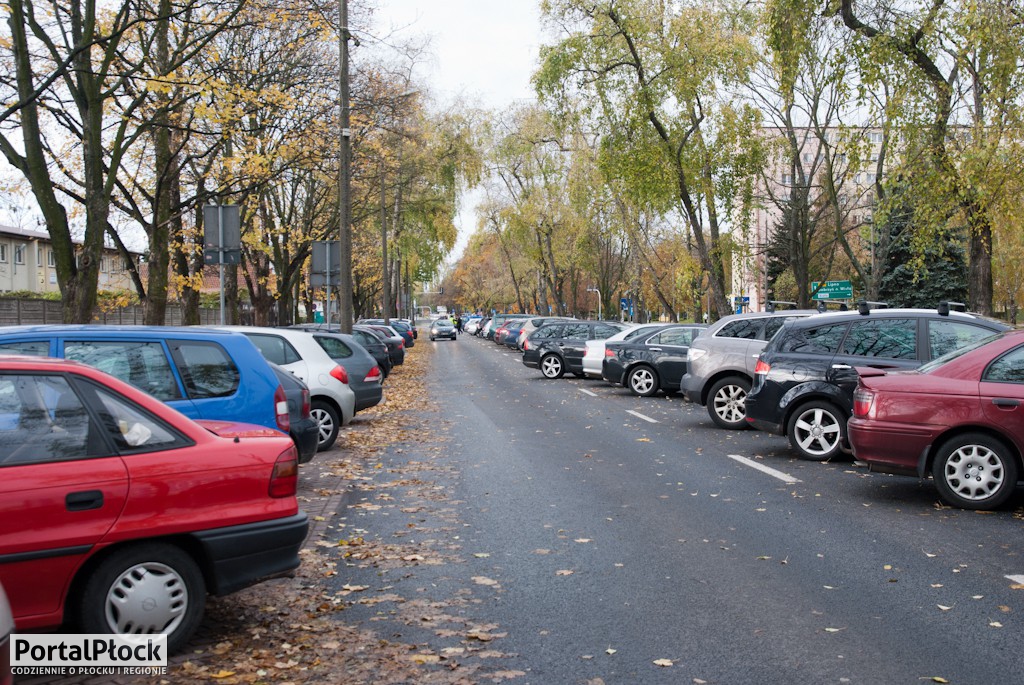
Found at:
(833, 290)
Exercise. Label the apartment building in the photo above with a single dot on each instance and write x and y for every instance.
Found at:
(855, 194)
(27, 263)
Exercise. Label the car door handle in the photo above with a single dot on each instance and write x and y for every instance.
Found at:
(841, 366)
(84, 500)
(1005, 402)
(655, 349)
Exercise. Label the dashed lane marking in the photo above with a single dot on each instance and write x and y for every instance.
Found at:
(637, 414)
(784, 477)
(587, 392)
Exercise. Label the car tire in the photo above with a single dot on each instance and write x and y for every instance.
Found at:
(642, 381)
(817, 430)
(726, 402)
(975, 471)
(115, 597)
(552, 366)
(431, 338)
(328, 420)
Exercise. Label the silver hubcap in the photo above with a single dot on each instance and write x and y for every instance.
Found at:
(642, 381)
(551, 367)
(325, 423)
(729, 403)
(817, 432)
(974, 472)
(147, 598)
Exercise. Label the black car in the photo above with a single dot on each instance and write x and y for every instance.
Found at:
(303, 429)
(555, 348)
(805, 377)
(394, 343)
(404, 329)
(652, 361)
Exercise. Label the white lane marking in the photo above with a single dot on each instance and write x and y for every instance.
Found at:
(585, 391)
(1017, 580)
(785, 477)
(637, 414)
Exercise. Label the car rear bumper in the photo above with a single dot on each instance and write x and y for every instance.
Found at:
(368, 394)
(305, 434)
(766, 426)
(612, 371)
(891, 448)
(242, 555)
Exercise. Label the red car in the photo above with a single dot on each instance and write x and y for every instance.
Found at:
(118, 514)
(959, 417)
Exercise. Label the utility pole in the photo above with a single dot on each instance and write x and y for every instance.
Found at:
(344, 179)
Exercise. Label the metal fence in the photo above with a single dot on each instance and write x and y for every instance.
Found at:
(17, 311)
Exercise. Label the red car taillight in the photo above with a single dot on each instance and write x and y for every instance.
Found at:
(526, 345)
(863, 402)
(285, 477)
(374, 376)
(401, 345)
(609, 353)
(284, 422)
(306, 406)
(340, 374)
(762, 368)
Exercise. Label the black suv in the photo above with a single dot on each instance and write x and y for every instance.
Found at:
(555, 348)
(805, 377)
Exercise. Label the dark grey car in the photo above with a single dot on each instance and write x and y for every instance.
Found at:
(364, 376)
(303, 428)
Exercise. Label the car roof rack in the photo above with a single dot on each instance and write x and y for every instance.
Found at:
(773, 305)
(865, 306)
(944, 307)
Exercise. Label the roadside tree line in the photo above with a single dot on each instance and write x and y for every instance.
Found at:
(884, 140)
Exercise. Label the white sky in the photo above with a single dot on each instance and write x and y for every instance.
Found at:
(483, 50)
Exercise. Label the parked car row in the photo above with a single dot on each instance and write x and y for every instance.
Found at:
(158, 464)
(833, 383)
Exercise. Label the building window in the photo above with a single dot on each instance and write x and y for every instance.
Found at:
(875, 136)
(39, 254)
(787, 179)
(3, 252)
(50, 259)
(19, 254)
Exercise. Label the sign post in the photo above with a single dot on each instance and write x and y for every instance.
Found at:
(325, 269)
(223, 241)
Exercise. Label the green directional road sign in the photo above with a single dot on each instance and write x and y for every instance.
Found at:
(833, 290)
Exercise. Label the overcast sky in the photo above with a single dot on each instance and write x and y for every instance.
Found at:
(484, 50)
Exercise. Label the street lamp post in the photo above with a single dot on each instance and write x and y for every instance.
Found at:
(595, 290)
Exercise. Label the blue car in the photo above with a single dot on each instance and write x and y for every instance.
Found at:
(204, 374)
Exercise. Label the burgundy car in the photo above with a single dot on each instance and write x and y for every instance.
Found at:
(119, 515)
(959, 417)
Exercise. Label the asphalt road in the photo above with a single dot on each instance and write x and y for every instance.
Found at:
(593, 534)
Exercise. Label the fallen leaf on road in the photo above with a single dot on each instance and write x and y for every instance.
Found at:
(663, 662)
(564, 572)
(222, 674)
(643, 439)
(484, 580)
(944, 608)
(995, 624)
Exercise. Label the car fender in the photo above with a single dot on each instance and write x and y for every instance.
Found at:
(812, 390)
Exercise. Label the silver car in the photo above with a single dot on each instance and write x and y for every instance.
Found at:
(720, 363)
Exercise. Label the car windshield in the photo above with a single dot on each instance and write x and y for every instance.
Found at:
(928, 367)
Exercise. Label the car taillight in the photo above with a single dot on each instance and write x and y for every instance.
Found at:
(285, 478)
(340, 374)
(609, 353)
(284, 422)
(762, 368)
(526, 345)
(401, 345)
(306, 406)
(374, 376)
(863, 402)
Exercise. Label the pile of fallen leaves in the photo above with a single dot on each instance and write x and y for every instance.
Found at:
(290, 630)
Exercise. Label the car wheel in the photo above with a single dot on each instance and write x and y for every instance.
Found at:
(817, 430)
(974, 471)
(726, 402)
(326, 417)
(643, 381)
(145, 589)
(551, 366)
